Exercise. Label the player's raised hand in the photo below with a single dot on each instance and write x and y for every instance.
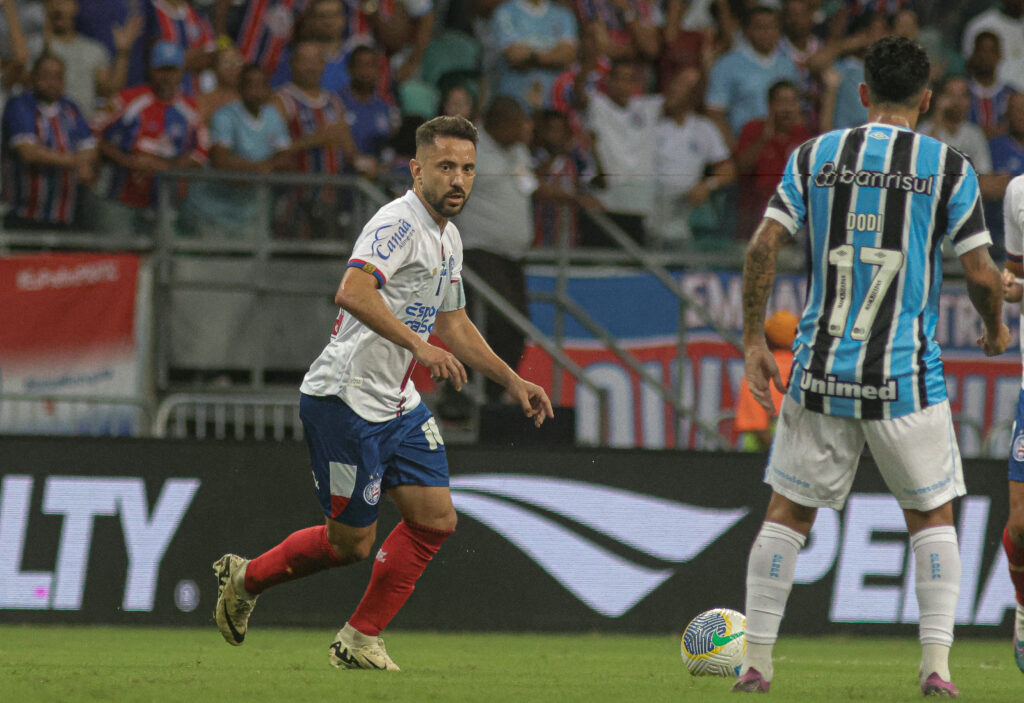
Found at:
(994, 344)
(761, 372)
(532, 398)
(442, 364)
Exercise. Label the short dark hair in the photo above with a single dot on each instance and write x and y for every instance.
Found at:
(896, 70)
(987, 34)
(296, 45)
(942, 84)
(550, 115)
(756, 10)
(445, 126)
(503, 110)
(43, 58)
(250, 68)
(359, 50)
(781, 85)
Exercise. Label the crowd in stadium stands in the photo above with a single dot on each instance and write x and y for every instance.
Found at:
(672, 117)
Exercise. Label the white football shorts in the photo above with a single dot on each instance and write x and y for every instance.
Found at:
(814, 457)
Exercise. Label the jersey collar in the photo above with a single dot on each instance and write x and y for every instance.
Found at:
(888, 125)
(422, 214)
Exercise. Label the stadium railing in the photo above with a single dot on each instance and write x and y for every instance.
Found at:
(183, 264)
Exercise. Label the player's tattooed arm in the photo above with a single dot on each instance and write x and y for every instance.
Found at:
(759, 276)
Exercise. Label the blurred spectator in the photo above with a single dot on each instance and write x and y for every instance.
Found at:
(153, 128)
(324, 22)
(177, 22)
(741, 78)
(327, 24)
(935, 34)
(1008, 149)
(90, 73)
(595, 63)
(805, 51)
(798, 40)
(265, 31)
(459, 100)
(497, 223)
(752, 421)
(632, 26)
(1006, 22)
(949, 124)
(866, 29)
(904, 24)
(227, 68)
(691, 161)
(538, 40)
(103, 20)
(319, 132)
(484, 30)
(564, 171)
(395, 176)
(988, 95)
(623, 122)
(401, 27)
(696, 15)
(48, 149)
(247, 135)
(17, 22)
(683, 47)
(371, 119)
(1007, 161)
(761, 153)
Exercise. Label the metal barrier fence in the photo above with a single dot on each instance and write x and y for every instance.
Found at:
(223, 416)
(200, 275)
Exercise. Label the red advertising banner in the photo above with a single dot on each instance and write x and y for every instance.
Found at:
(67, 328)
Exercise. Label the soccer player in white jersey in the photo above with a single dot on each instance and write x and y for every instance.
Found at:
(1013, 533)
(877, 201)
(367, 430)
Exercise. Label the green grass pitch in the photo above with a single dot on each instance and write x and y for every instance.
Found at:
(192, 666)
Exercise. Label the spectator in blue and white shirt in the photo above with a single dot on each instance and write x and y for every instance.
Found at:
(247, 135)
(49, 150)
(738, 88)
(371, 119)
(538, 41)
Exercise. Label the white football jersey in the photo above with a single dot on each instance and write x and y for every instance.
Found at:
(1013, 228)
(415, 264)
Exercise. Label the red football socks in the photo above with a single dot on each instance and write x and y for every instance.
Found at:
(399, 564)
(302, 553)
(1015, 555)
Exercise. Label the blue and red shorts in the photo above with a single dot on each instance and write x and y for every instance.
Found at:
(1017, 442)
(355, 461)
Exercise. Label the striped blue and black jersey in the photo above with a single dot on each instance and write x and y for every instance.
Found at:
(877, 201)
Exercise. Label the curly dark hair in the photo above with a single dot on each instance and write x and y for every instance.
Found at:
(444, 126)
(896, 70)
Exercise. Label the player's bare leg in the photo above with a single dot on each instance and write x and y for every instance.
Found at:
(937, 559)
(1013, 544)
(302, 553)
(428, 519)
(769, 580)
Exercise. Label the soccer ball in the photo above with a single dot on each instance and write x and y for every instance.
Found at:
(713, 643)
